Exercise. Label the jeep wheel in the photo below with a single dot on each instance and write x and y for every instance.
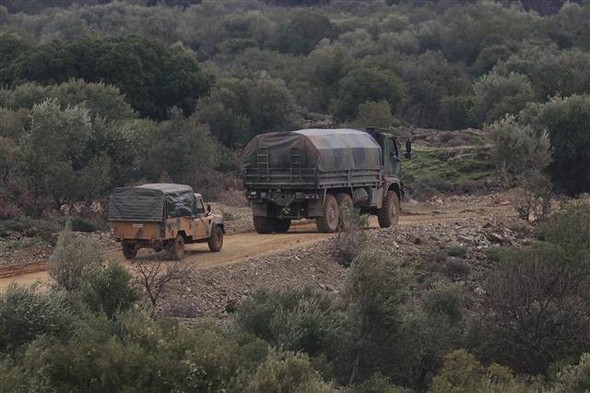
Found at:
(388, 215)
(129, 250)
(216, 240)
(345, 205)
(176, 248)
(281, 225)
(262, 224)
(331, 219)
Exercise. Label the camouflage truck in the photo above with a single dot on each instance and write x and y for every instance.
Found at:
(162, 216)
(315, 173)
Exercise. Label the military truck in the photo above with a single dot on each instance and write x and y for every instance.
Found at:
(318, 173)
(162, 216)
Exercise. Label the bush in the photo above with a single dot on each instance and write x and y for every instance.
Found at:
(110, 290)
(284, 372)
(569, 230)
(456, 251)
(537, 309)
(81, 224)
(349, 242)
(298, 320)
(575, 378)
(463, 373)
(26, 313)
(30, 227)
(74, 258)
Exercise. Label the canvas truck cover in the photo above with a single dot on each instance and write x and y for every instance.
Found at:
(324, 149)
(149, 202)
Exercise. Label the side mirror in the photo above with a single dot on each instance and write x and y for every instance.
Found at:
(208, 209)
(408, 153)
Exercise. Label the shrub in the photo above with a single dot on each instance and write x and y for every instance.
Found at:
(81, 224)
(284, 372)
(299, 320)
(463, 373)
(349, 242)
(575, 378)
(569, 230)
(26, 313)
(74, 258)
(538, 310)
(376, 384)
(110, 290)
(456, 251)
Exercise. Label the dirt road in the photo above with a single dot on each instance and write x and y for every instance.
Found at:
(239, 246)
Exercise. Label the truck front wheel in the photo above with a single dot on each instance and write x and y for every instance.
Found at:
(330, 221)
(388, 215)
(216, 240)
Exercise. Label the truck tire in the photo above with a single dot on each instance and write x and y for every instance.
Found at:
(129, 250)
(216, 240)
(331, 220)
(281, 225)
(262, 224)
(176, 248)
(388, 215)
(345, 205)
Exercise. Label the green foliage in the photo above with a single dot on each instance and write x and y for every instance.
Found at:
(74, 258)
(496, 96)
(569, 230)
(238, 109)
(437, 92)
(110, 290)
(463, 373)
(376, 384)
(575, 378)
(456, 251)
(362, 85)
(138, 353)
(302, 33)
(101, 100)
(537, 309)
(153, 77)
(286, 373)
(375, 114)
(178, 148)
(518, 149)
(295, 320)
(566, 120)
(27, 313)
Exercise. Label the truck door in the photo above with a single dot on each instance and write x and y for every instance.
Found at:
(394, 159)
(200, 219)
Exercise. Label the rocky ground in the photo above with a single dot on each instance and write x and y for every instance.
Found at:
(455, 236)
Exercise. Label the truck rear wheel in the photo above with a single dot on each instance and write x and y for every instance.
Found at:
(345, 205)
(216, 240)
(388, 215)
(129, 250)
(331, 219)
(176, 247)
(281, 225)
(262, 224)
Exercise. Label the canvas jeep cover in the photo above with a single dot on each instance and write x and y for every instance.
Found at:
(323, 149)
(150, 202)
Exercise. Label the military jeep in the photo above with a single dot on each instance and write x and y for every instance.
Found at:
(162, 216)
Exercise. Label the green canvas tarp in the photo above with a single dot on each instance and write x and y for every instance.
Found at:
(149, 202)
(323, 149)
